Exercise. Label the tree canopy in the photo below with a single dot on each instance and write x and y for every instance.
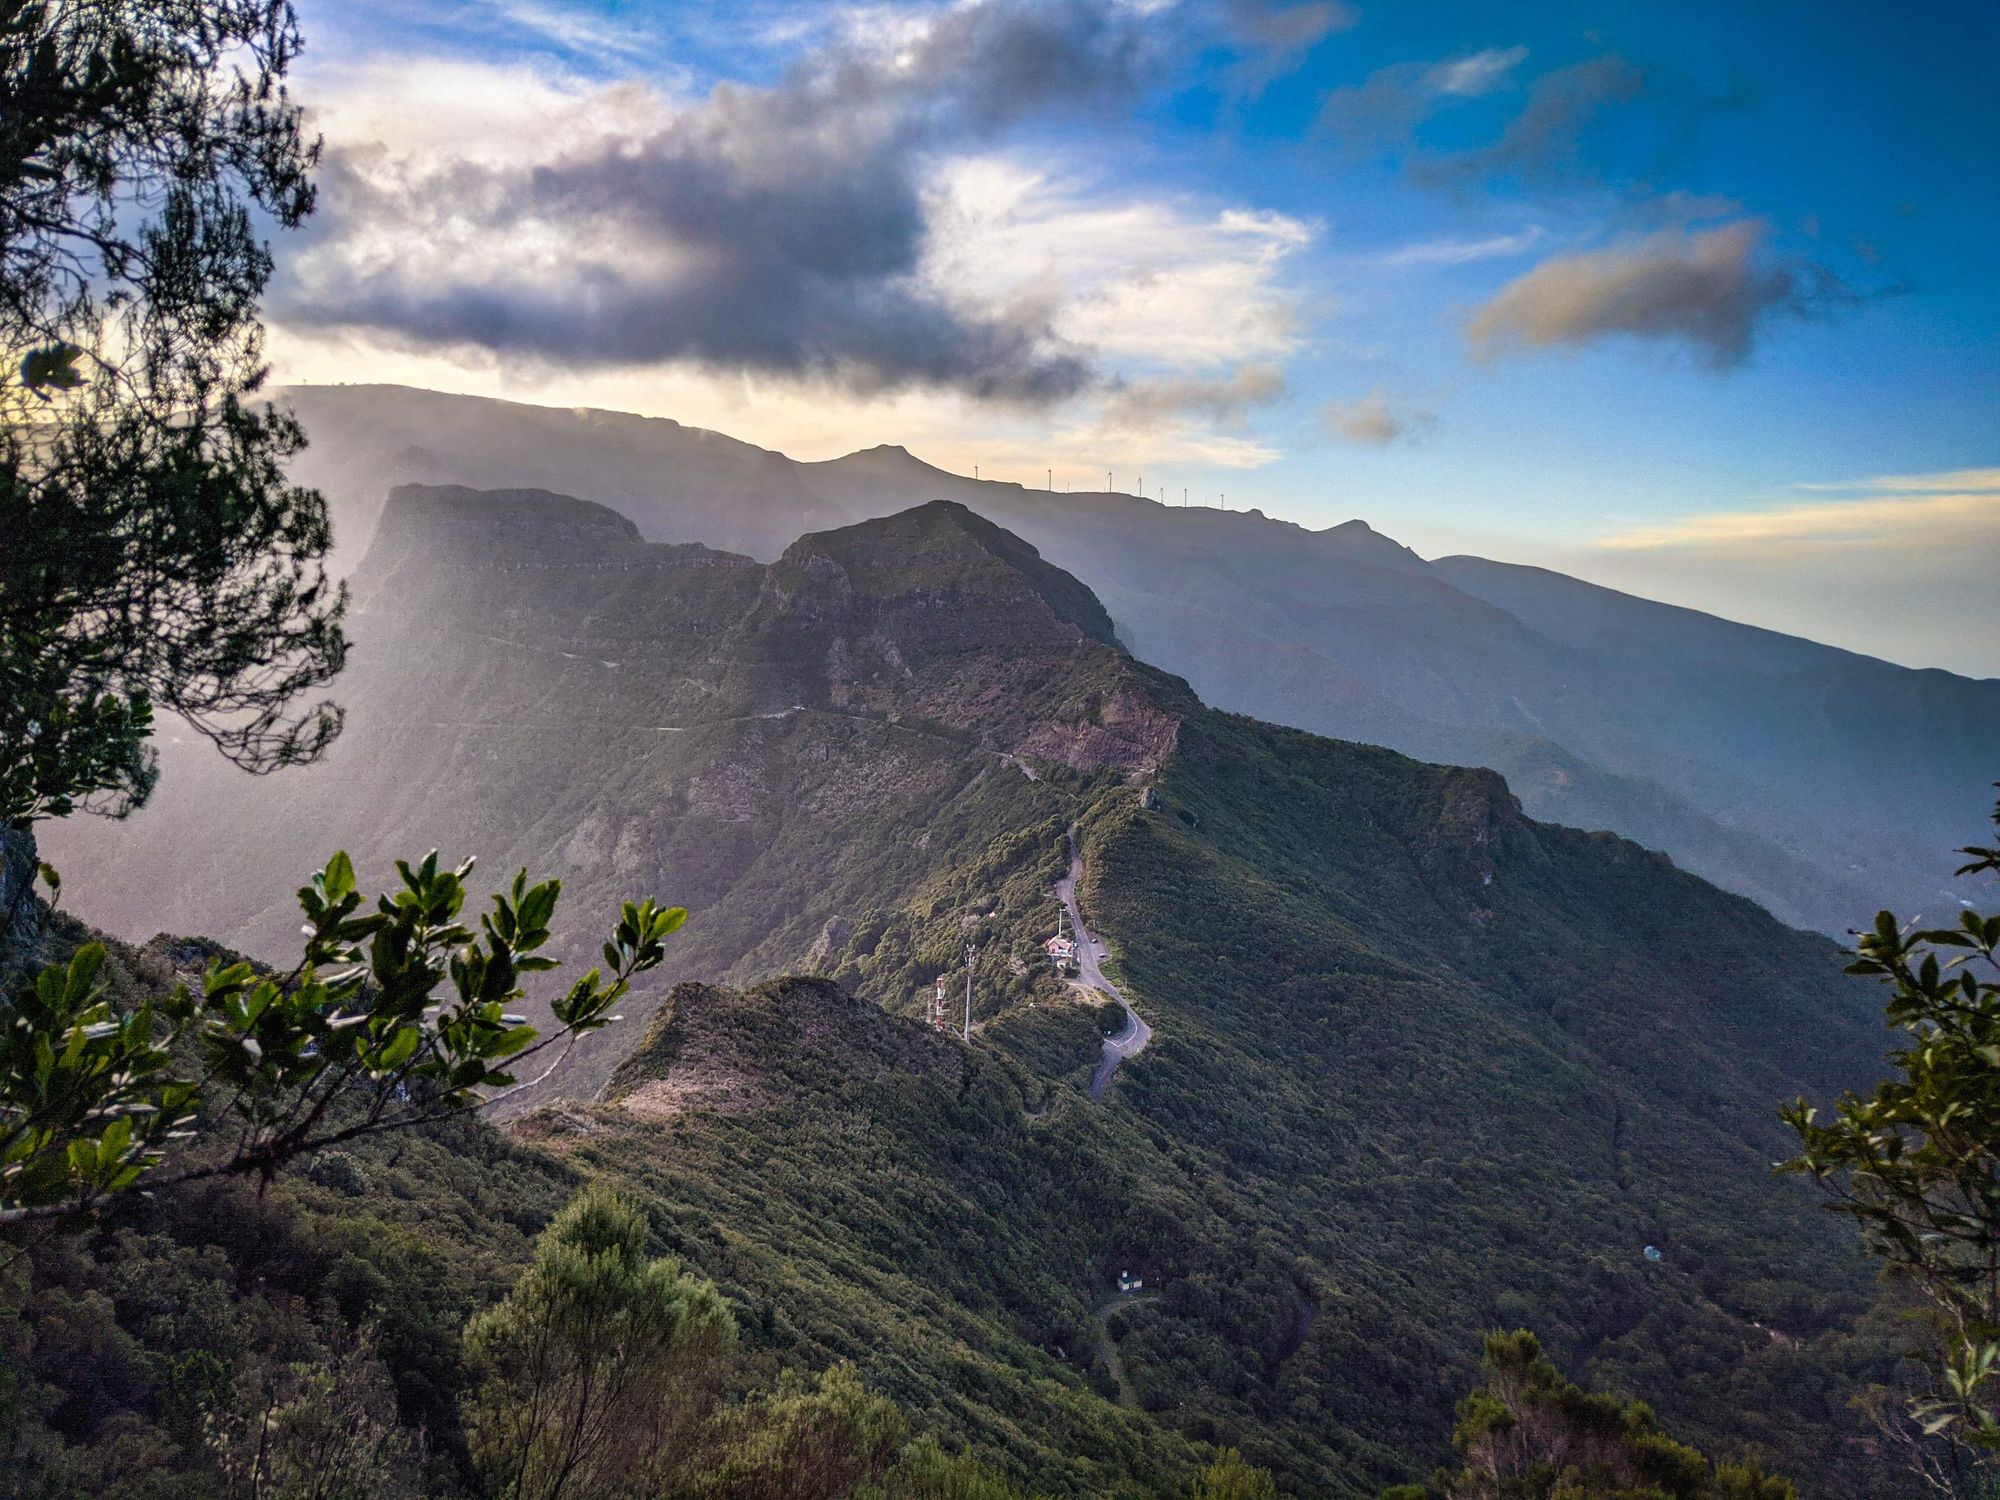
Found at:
(1531, 1433)
(1916, 1164)
(156, 557)
(600, 1366)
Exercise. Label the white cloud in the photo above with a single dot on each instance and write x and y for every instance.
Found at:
(575, 30)
(410, 109)
(1186, 306)
(1953, 481)
(1140, 280)
(1475, 74)
(1463, 252)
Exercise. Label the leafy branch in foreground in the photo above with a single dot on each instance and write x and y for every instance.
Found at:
(1916, 1164)
(256, 1069)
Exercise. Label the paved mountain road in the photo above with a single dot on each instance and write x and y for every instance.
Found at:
(1129, 1042)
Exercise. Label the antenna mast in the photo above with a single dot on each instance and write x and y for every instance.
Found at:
(968, 992)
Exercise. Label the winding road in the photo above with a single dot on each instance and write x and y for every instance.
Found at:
(1089, 950)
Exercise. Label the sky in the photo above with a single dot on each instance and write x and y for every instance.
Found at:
(1695, 300)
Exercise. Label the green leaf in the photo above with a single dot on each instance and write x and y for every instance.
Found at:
(510, 1042)
(339, 877)
(83, 967)
(399, 1049)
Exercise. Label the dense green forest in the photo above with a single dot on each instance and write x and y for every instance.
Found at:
(862, 1192)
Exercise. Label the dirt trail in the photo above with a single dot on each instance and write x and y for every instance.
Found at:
(1107, 1346)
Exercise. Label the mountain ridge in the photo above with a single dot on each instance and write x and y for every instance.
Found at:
(1343, 632)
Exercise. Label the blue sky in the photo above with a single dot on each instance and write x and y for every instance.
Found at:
(1696, 300)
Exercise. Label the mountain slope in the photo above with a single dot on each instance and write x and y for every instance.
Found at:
(1420, 1065)
(809, 754)
(1765, 764)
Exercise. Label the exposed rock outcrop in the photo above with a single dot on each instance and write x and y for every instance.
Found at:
(1129, 733)
(831, 943)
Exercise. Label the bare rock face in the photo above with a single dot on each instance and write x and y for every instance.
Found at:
(831, 943)
(1128, 733)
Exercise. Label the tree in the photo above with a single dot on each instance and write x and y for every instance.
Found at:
(598, 1368)
(1230, 1478)
(803, 1442)
(99, 1095)
(1530, 1433)
(318, 1431)
(155, 554)
(924, 1471)
(1916, 1164)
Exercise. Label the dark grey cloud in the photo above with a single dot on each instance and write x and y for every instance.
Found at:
(1374, 421)
(1709, 291)
(1604, 121)
(1276, 35)
(1385, 110)
(1544, 141)
(772, 229)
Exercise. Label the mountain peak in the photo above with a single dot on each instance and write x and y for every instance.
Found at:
(888, 461)
(453, 526)
(1356, 538)
(920, 559)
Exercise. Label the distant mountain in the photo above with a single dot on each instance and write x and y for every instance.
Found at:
(1420, 1064)
(1820, 783)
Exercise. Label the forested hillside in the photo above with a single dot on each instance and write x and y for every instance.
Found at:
(1421, 1066)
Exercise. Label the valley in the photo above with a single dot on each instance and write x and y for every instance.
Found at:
(1408, 1057)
